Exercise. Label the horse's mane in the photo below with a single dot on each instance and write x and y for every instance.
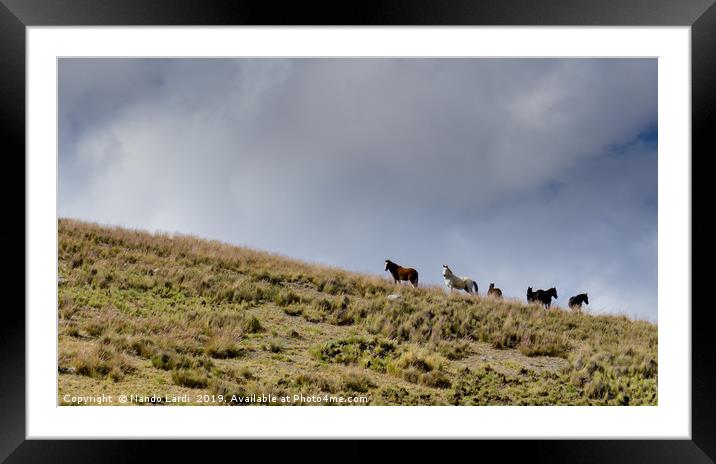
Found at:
(391, 265)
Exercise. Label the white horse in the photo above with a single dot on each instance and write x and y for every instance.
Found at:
(454, 282)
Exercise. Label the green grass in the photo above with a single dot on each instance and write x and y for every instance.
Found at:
(143, 313)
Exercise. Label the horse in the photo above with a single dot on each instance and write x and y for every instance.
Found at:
(458, 283)
(402, 273)
(576, 301)
(531, 296)
(545, 296)
(494, 292)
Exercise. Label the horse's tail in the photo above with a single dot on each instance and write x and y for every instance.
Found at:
(474, 285)
(416, 279)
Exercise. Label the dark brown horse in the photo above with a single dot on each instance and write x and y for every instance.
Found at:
(545, 296)
(402, 273)
(576, 301)
(494, 292)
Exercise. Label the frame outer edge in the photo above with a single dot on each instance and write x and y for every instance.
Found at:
(12, 118)
(12, 134)
(703, 111)
(385, 12)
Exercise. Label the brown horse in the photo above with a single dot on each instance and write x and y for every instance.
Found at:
(494, 292)
(402, 273)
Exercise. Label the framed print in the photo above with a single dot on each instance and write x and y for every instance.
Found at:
(477, 228)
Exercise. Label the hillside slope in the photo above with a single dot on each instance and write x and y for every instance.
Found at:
(143, 314)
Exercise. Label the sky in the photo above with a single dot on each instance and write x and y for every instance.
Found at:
(522, 172)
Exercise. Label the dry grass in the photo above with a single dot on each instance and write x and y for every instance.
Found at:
(176, 312)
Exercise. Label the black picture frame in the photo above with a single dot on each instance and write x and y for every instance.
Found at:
(16, 15)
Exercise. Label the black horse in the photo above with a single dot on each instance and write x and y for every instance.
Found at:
(531, 296)
(545, 296)
(576, 301)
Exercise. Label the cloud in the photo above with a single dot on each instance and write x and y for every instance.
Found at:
(523, 171)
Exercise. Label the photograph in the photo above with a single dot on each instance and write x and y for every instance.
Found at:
(357, 231)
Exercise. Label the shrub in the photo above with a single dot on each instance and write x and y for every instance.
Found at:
(227, 389)
(252, 325)
(143, 347)
(454, 351)
(305, 382)
(435, 379)
(274, 346)
(357, 382)
(286, 298)
(543, 345)
(335, 286)
(223, 347)
(169, 360)
(293, 310)
(371, 353)
(419, 360)
(323, 305)
(190, 378)
(217, 319)
(313, 316)
(72, 331)
(418, 366)
(100, 362)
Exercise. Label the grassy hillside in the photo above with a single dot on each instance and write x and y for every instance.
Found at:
(170, 315)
